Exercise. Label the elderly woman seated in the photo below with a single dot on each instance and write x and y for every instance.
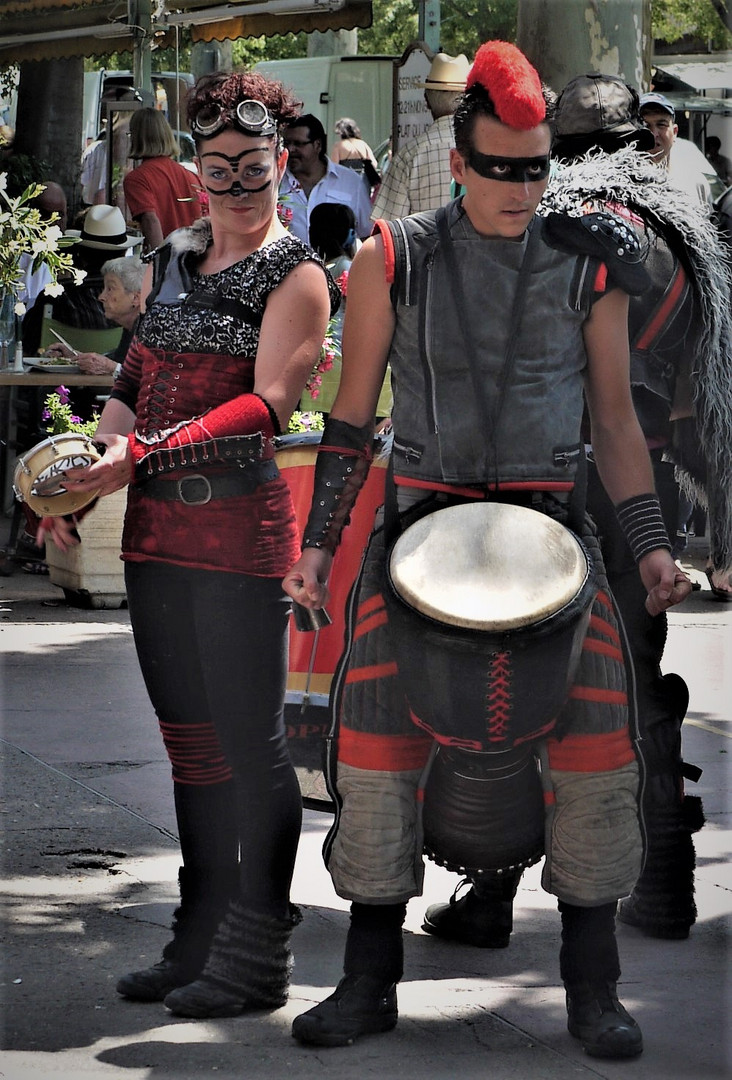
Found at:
(120, 299)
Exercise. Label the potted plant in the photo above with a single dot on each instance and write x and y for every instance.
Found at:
(91, 574)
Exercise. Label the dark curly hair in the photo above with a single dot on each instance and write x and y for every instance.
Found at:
(227, 89)
(477, 102)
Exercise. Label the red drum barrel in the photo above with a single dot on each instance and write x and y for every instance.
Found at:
(314, 655)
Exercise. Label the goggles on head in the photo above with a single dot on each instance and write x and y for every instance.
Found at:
(512, 170)
(250, 117)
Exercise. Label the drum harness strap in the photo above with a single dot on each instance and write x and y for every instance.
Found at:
(578, 498)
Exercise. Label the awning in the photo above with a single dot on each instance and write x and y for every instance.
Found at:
(348, 17)
(711, 71)
(49, 29)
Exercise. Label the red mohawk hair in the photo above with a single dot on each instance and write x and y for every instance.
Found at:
(513, 84)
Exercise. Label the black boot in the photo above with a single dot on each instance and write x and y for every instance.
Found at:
(248, 967)
(596, 1017)
(365, 1001)
(662, 902)
(202, 905)
(483, 917)
(590, 968)
(360, 1005)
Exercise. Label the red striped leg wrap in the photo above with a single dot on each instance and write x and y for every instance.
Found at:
(195, 754)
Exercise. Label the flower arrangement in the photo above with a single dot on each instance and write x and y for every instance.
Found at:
(57, 411)
(302, 422)
(27, 242)
(329, 350)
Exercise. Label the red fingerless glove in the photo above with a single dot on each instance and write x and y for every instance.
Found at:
(243, 415)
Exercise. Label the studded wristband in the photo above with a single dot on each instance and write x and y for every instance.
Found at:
(641, 520)
(341, 468)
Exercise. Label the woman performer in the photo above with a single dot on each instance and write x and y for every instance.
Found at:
(234, 324)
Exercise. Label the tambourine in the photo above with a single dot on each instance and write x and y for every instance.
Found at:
(39, 474)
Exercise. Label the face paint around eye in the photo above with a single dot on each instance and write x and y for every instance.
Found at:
(236, 189)
(511, 170)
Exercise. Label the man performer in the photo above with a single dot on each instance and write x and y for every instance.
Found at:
(680, 358)
(419, 176)
(529, 368)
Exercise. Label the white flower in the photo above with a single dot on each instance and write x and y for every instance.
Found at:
(79, 276)
(26, 240)
(19, 308)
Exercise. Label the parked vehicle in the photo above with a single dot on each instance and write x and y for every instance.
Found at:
(334, 86)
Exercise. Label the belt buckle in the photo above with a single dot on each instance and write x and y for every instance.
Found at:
(194, 502)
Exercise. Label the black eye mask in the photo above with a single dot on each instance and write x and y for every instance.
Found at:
(513, 170)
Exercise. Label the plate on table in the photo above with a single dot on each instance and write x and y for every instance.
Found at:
(53, 366)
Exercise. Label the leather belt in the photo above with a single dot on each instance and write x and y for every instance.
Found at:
(195, 489)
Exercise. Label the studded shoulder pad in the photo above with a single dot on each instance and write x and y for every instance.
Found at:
(607, 238)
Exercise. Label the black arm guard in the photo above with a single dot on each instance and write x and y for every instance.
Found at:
(341, 468)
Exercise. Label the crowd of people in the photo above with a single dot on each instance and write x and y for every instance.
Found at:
(578, 373)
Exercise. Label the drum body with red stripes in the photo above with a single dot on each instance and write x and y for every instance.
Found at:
(488, 608)
(489, 605)
(315, 655)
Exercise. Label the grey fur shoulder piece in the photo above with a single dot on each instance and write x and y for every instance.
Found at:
(195, 237)
(631, 180)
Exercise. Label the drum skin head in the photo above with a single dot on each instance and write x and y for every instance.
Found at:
(487, 566)
(38, 479)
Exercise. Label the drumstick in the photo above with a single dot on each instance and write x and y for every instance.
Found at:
(310, 618)
(64, 342)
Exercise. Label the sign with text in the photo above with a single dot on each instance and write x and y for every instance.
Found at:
(411, 115)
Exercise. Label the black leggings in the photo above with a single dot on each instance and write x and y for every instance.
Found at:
(212, 648)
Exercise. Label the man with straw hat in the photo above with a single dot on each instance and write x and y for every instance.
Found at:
(419, 177)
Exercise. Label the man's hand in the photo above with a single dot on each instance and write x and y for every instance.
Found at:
(667, 585)
(306, 581)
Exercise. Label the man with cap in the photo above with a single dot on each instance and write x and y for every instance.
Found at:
(677, 156)
(487, 409)
(419, 176)
(680, 332)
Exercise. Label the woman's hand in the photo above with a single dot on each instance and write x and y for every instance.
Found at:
(307, 581)
(92, 363)
(61, 531)
(667, 585)
(113, 471)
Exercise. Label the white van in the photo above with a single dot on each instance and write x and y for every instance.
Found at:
(330, 87)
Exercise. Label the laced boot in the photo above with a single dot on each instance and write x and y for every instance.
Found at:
(360, 1005)
(662, 903)
(483, 917)
(604, 1026)
(248, 967)
(194, 924)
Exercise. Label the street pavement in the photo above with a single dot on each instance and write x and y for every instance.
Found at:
(90, 862)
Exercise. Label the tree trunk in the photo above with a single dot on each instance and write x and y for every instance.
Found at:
(564, 38)
(49, 120)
